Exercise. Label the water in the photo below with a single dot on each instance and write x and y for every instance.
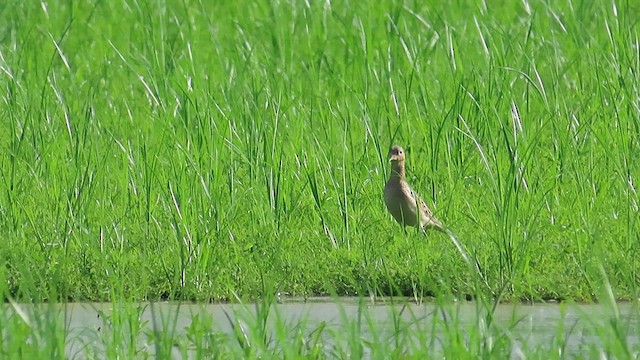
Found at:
(527, 326)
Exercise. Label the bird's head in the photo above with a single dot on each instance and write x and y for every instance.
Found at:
(396, 154)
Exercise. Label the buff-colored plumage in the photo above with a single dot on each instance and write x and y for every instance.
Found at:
(404, 204)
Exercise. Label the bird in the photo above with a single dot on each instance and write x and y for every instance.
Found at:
(404, 204)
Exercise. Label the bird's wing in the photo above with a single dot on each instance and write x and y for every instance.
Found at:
(424, 207)
(414, 199)
(419, 202)
(428, 214)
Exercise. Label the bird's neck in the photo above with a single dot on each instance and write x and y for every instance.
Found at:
(397, 170)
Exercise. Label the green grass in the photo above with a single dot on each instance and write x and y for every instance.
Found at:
(400, 330)
(196, 150)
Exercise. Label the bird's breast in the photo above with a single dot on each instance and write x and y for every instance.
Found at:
(400, 203)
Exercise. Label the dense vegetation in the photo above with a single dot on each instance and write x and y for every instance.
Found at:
(237, 150)
(208, 150)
